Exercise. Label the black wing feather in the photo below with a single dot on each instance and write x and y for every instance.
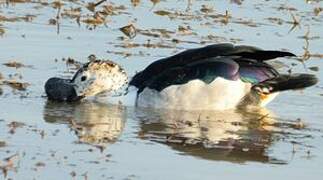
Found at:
(239, 53)
(288, 82)
(206, 71)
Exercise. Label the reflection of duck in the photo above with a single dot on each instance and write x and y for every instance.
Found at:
(216, 77)
(227, 135)
(94, 123)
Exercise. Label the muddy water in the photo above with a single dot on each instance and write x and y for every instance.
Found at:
(95, 140)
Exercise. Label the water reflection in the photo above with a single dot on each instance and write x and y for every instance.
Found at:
(229, 136)
(94, 123)
(234, 136)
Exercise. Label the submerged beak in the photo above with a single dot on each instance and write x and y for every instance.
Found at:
(58, 89)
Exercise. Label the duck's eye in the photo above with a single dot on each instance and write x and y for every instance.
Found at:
(83, 78)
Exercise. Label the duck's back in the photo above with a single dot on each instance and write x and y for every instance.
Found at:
(245, 55)
(217, 76)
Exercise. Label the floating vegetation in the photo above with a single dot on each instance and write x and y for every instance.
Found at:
(72, 62)
(238, 2)
(284, 7)
(2, 144)
(2, 31)
(156, 33)
(20, 86)
(295, 23)
(14, 125)
(318, 10)
(73, 13)
(249, 23)
(26, 18)
(135, 3)
(18, 1)
(155, 1)
(148, 44)
(206, 9)
(128, 54)
(129, 30)
(276, 20)
(299, 124)
(8, 164)
(307, 54)
(94, 20)
(185, 30)
(163, 13)
(91, 6)
(15, 64)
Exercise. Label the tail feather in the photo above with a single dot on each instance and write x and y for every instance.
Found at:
(286, 82)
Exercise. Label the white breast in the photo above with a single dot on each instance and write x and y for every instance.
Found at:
(219, 95)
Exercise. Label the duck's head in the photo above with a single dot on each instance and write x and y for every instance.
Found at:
(95, 77)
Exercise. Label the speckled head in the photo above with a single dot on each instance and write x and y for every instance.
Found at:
(97, 77)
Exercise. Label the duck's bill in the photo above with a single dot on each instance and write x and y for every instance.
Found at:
(58, 89)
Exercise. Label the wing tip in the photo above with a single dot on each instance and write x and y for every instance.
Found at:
(287, 54)
(287, 82)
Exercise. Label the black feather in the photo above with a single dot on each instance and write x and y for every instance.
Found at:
(288, 82)
(245, 56)
(205, 71)
(264, 55)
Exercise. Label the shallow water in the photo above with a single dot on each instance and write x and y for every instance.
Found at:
(95, 140)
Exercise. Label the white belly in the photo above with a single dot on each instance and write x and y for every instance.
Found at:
(196, 95)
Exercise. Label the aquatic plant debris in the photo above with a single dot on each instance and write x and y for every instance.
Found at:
(21, 86)
(14, 125)
(2, 31)
(2, 143)
(129, 30)
(15, 64)
(8, 164)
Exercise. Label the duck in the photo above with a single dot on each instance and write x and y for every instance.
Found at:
(214, 77)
